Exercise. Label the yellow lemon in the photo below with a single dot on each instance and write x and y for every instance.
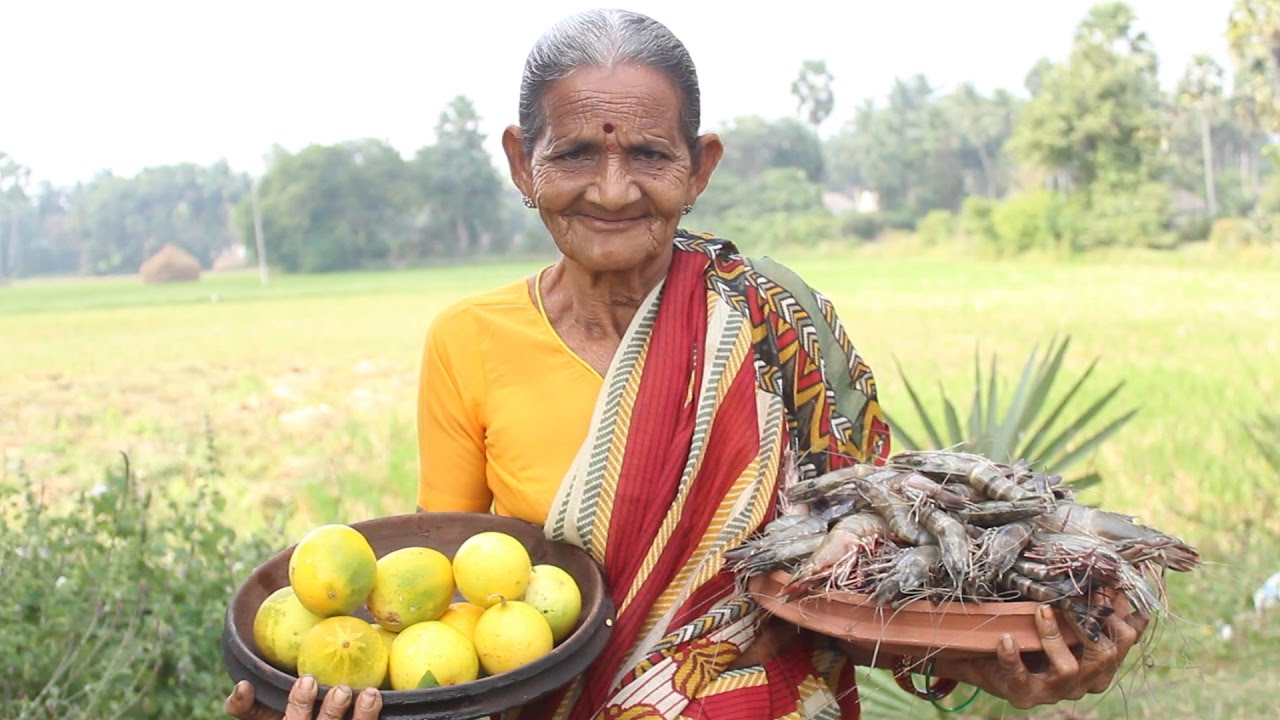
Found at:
(491, 566)
(343, 651)
(387, 636)
(411, 585)
(332, 570)
(463, 616)
(432, 654)
(278, 628)
(511, 634)
(554, 593)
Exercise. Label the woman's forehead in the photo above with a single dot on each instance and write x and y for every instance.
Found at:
(622, 99)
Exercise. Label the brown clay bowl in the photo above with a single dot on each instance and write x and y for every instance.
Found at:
(444, 532)
(950, 630)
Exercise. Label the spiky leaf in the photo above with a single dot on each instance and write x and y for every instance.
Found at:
(1031, 428)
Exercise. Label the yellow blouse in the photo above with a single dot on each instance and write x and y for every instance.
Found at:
(503, 406)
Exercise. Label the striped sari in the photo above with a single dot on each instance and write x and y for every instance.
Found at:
(720, 384)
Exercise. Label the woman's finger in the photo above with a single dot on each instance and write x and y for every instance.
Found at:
(336, 703)
(368, 705)
(302, 697)
(1014, 675)
(1098, 660)
(240, 701)
(1125, 632)
(1137, 622)
(240, 704)
(1061, 660)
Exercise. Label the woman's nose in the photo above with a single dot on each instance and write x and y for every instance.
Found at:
(614, 188)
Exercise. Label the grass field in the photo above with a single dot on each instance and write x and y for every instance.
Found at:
(308, 387)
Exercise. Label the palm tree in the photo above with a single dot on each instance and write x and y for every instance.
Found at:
(1253, 37)
(1201, 90)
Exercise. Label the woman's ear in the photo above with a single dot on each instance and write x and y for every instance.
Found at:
(518, 160)
(707, 156)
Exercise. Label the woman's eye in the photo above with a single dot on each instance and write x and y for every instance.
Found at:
(575, 155)
(649, 155)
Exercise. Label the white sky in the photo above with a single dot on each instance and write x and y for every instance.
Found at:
(130, 83)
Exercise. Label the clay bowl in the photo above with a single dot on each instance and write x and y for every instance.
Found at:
(948, 631)
(444, 532)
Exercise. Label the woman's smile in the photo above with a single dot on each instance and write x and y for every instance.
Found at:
(605, 224)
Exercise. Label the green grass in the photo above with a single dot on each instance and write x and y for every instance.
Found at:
(309, 389)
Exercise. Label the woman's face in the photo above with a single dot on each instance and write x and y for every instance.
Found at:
(611, 171)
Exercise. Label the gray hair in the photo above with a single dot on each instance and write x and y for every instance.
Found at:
(604, 39)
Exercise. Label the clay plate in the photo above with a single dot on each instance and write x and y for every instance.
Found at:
(444, 532)
(947, 631)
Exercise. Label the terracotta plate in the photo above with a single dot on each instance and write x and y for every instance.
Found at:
(949, 630)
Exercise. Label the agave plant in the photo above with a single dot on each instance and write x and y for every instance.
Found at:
(1028, 427)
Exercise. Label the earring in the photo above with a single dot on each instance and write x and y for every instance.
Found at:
(686, 209)
(528, 202)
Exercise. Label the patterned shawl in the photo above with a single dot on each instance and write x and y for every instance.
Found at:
(721, 380)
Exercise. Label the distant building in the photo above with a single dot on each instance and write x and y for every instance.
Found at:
(838, 203)
(866, 201)
(862, 201)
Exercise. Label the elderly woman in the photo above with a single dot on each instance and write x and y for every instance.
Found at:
(641, 398)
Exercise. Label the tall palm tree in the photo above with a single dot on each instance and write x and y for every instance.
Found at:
(1201, 90)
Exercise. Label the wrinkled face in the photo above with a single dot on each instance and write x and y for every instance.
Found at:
(612, 171)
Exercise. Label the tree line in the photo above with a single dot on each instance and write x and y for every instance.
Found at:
(1092, 152)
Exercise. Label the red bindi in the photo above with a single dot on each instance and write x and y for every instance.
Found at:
(608, 127)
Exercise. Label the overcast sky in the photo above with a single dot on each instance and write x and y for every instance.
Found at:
(127, 83)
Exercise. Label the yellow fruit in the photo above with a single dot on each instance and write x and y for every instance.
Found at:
(387, 636)
(463, 617)
(411, 585)
(332, 570)
(511, 634)
(432, 654)
(278, 628)
(491, 566)
(343, 651)
(554, 593)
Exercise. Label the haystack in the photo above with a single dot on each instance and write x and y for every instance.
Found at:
(233, 259)
(171, 264)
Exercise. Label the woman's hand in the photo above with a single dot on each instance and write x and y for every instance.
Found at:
(1064, 675)
(302, 698)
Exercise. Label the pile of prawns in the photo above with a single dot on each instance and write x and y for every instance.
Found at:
(943, 525)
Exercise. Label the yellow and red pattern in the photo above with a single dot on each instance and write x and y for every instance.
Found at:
(721, 373)
(699, 663)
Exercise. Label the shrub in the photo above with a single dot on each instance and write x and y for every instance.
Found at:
(1025, 221)
(975, 220)
(1269, 197)
(1229, 232)
(1195, 229)
(780, 229)
(1127, 216)
(899, 219)
(1265, 228)
(866, 226)
(937, 227)
(114, 599)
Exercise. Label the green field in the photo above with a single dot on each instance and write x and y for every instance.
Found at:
(307, 388)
